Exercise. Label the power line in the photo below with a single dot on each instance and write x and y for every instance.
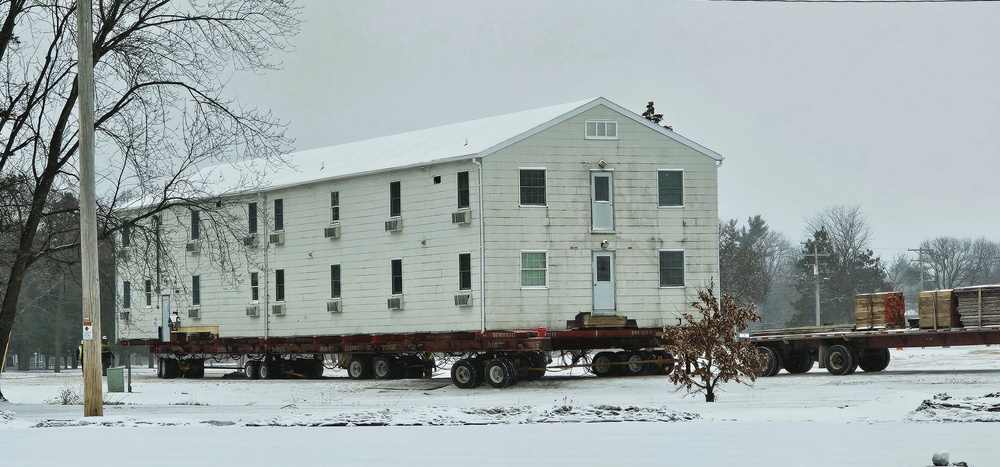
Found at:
(855, 1)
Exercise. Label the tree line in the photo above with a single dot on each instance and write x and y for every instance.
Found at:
(768, 269)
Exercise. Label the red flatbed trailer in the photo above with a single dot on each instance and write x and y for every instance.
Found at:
(499, 358)
(843, 349)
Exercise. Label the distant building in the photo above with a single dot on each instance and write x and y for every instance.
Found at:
(511, 222)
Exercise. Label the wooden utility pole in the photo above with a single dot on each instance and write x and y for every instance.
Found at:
(93, 403)
(816, 254)
(920, 262)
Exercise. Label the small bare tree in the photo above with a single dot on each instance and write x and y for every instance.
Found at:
(708, 347)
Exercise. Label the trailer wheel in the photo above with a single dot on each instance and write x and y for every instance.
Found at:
(663, 363)
(195, 368)
(799, 361)
(531, 365)
(267, 370)
(605, 364)
(160, 371)
(170, 367)
(500, 373)
(317, 369)
(384, 367)
(252, 369)
(465, 375)
(637, 363)
(840, 360)
(359, 368)
(873, 360)
(770, 361)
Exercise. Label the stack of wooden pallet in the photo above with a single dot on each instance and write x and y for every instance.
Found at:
(938, 309)
(874, 310)
(979, 305)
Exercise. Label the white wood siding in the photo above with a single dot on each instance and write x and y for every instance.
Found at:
(429, 244)
(563, 227)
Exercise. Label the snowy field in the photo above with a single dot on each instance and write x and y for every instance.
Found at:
(928, 400)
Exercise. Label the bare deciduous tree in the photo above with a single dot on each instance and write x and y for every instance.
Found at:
(708, 346)
(161, 113)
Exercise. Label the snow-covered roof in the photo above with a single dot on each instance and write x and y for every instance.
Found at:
(475, 138)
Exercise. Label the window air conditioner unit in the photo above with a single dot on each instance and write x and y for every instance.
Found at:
(276, 238)
(396, 303)
(277, 310)
(124, 315)
(192, 246)
(253, 310)
(461, 217)
(332, 231)
(463, 299)
(250, 240)
(334, 306)
(194, 312)
(394, 225)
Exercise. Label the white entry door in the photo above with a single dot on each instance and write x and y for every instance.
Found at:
(604, 283)
(602, 202)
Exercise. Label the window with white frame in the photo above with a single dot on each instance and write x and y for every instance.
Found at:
(532, 187)
(463, 190)
(279, 214)
(252, 218)
(195, 225)
(670, 184)
(279, 285)
(126, 236)
(601, 129)
(395, 199)
(334, 207)
(126, 294)
(334, 281)
(465, 271)
(149, 293)
(196, 290)
(534, 269)
(397, 276)
(254, 287)
(671, 268)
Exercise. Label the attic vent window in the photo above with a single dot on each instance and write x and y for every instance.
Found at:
(602, 129)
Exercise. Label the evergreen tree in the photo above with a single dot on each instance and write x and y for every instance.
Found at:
(841, 276)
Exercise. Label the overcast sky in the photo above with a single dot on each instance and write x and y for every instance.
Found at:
(894, 107)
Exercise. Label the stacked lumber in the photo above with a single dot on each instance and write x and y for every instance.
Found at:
(879, 310)
(979, 305)
(938, 309)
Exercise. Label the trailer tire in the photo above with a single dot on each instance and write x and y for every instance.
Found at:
(171, 368)
(874, 360)
(840, 360)
(267, 370)
(465, 374)
(500, 373)
(384, 367)
(160, 371)
(771, 361)
(664, 362)
(195, 368)
(637, 363)
(532, 365)
(605, 364)
(317, 368)
(359, 367)
(798, 362)
(252, 369)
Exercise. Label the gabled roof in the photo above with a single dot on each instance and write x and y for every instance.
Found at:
(465, 140)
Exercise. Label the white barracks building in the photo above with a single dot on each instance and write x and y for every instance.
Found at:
(512, 222)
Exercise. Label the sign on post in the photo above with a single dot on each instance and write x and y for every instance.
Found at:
(88, 330)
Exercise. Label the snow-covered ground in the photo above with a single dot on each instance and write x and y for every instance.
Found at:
(928, 400)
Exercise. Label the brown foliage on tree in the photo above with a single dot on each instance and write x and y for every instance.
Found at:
(708, 347)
